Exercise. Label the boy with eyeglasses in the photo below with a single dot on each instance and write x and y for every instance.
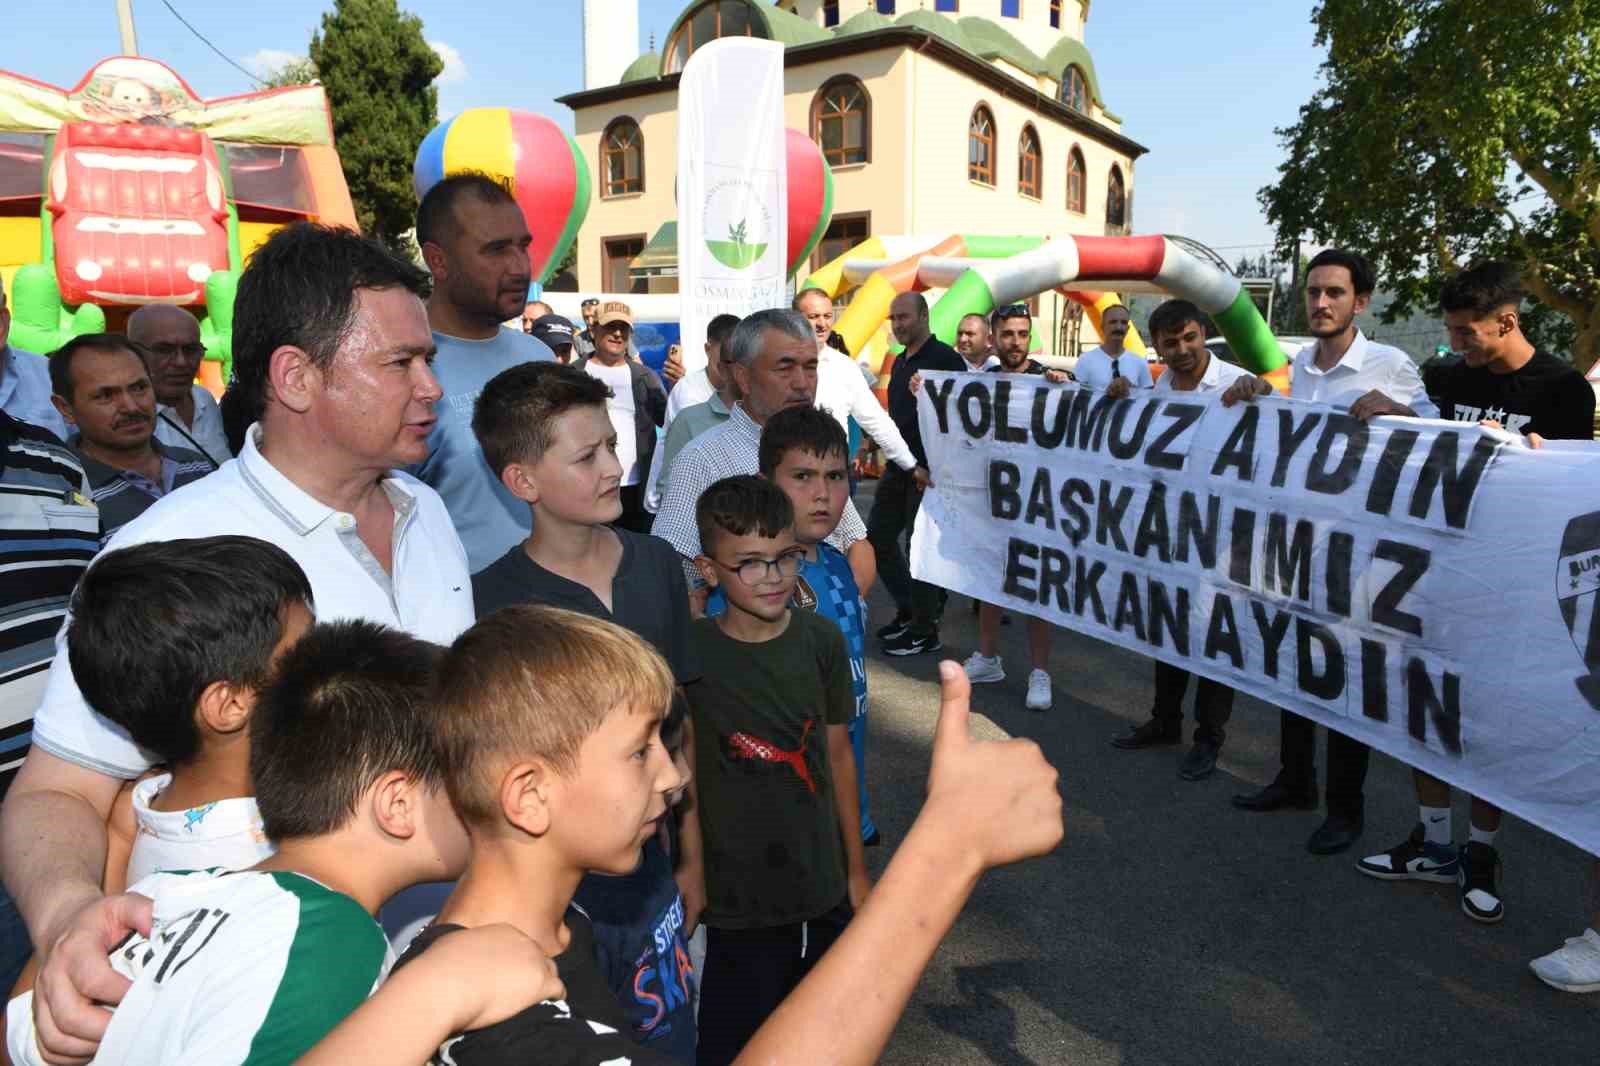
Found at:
(773, 768)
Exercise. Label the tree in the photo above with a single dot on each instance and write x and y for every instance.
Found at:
(299, 71)
(378, 73)
(1448, 131)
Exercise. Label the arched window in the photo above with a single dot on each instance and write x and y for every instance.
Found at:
(841, 121)
(1075, 89)
(830, 12)
(1029, 178)
(980, 146)
(712, 19)
(1116, 199)
(622, 159)
(1076, 186)
(1055, 14)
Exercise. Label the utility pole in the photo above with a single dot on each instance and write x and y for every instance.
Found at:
(130, 41)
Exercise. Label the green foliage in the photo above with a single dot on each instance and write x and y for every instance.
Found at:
(1448, 131)
(378, 73)
(294, 72)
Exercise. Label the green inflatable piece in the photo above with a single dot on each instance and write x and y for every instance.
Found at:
(39, 321)
(1249, 336)
(979, 247)
(216, 329)
(969, 295)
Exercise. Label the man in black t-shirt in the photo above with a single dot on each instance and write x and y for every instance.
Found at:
(1504, 381)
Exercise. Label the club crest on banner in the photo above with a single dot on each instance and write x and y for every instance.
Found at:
(1578, 590)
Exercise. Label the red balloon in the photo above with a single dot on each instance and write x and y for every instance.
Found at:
(810, 196)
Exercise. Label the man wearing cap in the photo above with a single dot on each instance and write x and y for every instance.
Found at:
(637, 406)
(555, 333)
(475, 241)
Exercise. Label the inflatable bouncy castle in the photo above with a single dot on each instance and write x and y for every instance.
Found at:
(129, 189)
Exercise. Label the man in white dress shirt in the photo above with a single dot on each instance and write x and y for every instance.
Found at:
(186, 415)
(1111, 366)
(1347, 370)
(332, 345)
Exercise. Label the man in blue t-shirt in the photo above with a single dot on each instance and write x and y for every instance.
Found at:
(475, 241)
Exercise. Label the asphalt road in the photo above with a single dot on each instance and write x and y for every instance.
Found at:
(1171, 928)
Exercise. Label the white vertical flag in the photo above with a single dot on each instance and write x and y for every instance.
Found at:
(732, 192)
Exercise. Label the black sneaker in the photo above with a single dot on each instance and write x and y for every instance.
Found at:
(1201, 761)
(1479, 881)
(901, 623)
(909, 643)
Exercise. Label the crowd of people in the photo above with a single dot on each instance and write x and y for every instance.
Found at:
(510, 699)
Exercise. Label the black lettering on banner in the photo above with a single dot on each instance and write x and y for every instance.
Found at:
(1191, 530)
(1055, 566)
(1003, 429)
(1386, 474)
(1130, 609)
(1331, 482)
(1017, 571)
(1039, 503)
(1049, 436)
(1075, 524)
(1413, 562)
(1272, 631)
(1441, 706)
(1341, 550)
(1327, 683)
(1242, 545)
(1287, 562)
(1086, 421)
(1086, 587)
(1004, 480)
(1169, 615)
(1290, 437)
(976, 408)
(1456, 486)
(1153, 530)
(1127, 448)
(1222, 633)
(939, 393)
(1374, 680)
(1239, 450)
(1108, 515)
(1159, 454)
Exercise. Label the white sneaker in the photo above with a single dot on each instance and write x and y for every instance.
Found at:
(982, 669)
(1038, 691)
(1575, 967)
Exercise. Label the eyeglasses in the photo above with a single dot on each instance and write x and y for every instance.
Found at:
(168, 351)
(754, 571)
(1013, 311)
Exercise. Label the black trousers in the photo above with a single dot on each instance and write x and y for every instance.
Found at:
(634, 517)
(1347, 764)
(894, 513)
(748, 972)
(1213, 702)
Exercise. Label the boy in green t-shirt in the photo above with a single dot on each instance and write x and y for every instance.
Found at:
(774, 769)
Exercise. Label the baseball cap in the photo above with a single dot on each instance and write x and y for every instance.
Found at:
(614, 311)
(552, 330)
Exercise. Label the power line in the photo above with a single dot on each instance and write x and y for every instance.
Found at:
(204, 40)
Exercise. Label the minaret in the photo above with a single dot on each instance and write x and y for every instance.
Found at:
(610, 40)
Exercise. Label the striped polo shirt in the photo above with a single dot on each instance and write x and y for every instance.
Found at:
(49, 530)
(123, 495)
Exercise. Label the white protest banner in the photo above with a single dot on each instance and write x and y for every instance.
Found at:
(1429, 588)
(732, 186)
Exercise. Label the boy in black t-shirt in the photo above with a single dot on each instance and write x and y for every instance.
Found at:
(546, 429)
(774, 771)
(1504, 381)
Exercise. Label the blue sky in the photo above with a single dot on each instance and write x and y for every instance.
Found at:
(1202, 91)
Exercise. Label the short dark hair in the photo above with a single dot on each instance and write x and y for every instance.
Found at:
(979, 315)
(1009, 311)
(240, 409)
(1363, 275)
(61, 382)
(299, 288)
(741, 505)
(515, 415)
(719, 329)
(154, 625)
(794, 305)
(837, 342)
(1483, 289)
(917, 299)
(351, 701)
(1173, 315)
(810, 429)
(436, 214)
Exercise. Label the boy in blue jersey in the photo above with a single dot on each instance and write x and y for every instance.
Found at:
(804, 452)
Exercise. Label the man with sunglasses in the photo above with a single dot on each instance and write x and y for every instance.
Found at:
(186, 415)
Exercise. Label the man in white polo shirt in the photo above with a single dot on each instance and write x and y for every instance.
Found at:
(1111, 363)
(1347, 370)
(331, 345)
